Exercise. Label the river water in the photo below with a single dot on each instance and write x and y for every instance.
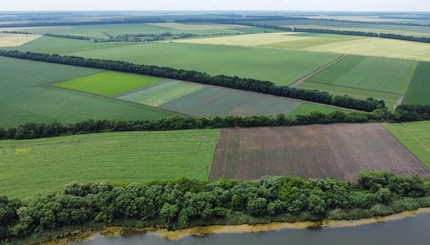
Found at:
(409, 231)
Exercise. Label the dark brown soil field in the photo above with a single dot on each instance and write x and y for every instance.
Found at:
(339, 151)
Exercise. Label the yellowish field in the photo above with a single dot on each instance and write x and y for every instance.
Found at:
(378, 47)
(248, 40)
(14, 40)
(184, 27)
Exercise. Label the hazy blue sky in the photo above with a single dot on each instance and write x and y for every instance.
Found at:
(349, 5)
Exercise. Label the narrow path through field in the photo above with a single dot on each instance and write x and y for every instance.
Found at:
(399, 101)
(303, 79)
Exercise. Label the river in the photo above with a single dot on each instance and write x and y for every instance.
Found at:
(409, 231)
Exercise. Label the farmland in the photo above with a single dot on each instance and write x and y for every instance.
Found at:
(100, 30)
(195, 99)
(26, 97)
(311, 152)
(37, 166)
(364, 77)
(332, 25)
(415, 136)
(418, 91)
(108, 83)
(14, 40)
(281, 67)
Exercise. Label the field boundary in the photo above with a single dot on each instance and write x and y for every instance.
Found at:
(303, 79)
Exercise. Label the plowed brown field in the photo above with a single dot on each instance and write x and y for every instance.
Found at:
(339, 150)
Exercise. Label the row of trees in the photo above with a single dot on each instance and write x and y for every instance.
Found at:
(41, 130)
(145, 37)
(50, 35)
(183, 202)
(80, 23)
(234, 82)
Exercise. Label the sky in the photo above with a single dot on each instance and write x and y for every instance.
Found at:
(321, 5)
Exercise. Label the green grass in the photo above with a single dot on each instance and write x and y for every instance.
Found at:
(215, 101)
(282, 67)
(37, 166)
(419, 89)
(26, 95)
(307, 108)
(108, 83)
(162, 92)
(378, 74)
(415, 136)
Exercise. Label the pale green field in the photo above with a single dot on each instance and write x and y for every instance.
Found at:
(415, 136)
(29, 167)
(307, 108)
(108, 83)
(161, 93)
(378, 47)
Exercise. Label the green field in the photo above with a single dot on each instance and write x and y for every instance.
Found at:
(307, 108)
(215, 101)
(282, 67)
(36, 166)
(108, 83)
(279, 66)
(161, 92)
(419, 89)
(378, 74)
(26, 95)
(415, 136)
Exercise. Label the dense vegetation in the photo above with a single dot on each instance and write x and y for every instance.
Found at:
(145, 37)
(234, 82)
(183, 202)
(40, 130)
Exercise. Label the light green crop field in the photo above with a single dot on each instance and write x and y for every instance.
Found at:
(161, 92)
(37, 166)
(282, 67)
(310, 40)
(108, 83)
(26, 95)
(216, 101)
(419, 89)
(370, 73)
(415, 136)
(307, 108)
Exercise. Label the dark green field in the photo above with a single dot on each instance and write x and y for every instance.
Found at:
(26, 95)
(37, 166)
(419, 89)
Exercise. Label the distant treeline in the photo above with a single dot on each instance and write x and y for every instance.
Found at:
(234, 82)
(145, 37)
(41, 130)
(183, 203)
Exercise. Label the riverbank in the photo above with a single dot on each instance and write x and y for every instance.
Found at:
(90, 233)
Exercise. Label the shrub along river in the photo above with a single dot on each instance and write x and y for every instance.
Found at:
(410, 230)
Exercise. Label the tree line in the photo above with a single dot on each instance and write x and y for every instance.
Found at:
(50, 35)
(182, 203)
(145, 37)
(234, 82)
(42, 130)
